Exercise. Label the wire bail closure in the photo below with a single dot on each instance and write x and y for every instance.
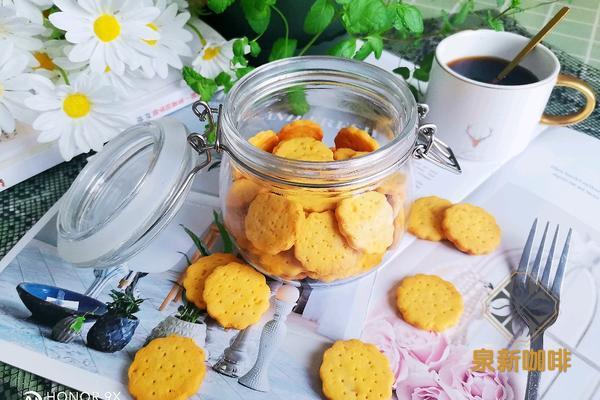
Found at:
(431, 148)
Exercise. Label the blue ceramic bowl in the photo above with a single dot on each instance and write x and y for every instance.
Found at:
(34, 295)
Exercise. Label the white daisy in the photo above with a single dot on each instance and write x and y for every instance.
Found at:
(15, 87)
(214, 58)
(53, 54)
(19, 31)
(182, 5)
(81, 116)
(105, 32)
(30, 9)
(126, 86)
(171, 46)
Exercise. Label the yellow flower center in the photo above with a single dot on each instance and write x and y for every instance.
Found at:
(154, 28)
(211, 53)
(44, 60)
(77, 105)
(107, 69)
(107, 28)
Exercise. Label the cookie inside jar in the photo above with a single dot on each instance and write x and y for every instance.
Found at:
(316, 178)
(319, 234)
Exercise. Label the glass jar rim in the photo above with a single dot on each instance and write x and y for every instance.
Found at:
(297, 71)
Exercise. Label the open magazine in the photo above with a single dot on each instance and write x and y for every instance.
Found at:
(555, 179)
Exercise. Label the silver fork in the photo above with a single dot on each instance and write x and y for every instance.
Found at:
(534, 299)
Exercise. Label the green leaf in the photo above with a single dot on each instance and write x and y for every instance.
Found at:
(206, 88)
(346, 48)
(77, 324)
(227, 242)
(466, 8)
(297, 101)
(364, 51)
(515, 4)
(403, 72)
(427, 62)
(254, 48)
(494, 23)
(376, 43)
(257, 14)
(239, 72)
(239, 46)
(197, 241)
(219, 6)
(421, 75)
(283, 48)
(365, 17)
(410, 17)
(187, 259)
(224, 79)
(415, 91)
(500, 3)
(319, 16)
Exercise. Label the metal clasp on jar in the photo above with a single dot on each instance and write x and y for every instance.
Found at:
(431, 148)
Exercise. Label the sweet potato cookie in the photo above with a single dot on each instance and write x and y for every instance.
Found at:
(236, 295)
(356, 139)
(471, 229)
(321, 248)
(313, 202)
(425, 218)
(304, 149)
(284, 265)
(429, 302)
(170, 368)
(265, 140)
(242, 192)
(272, 222)
(301, 128)
(366, 221)
(196, 274)
(345, 154)
(352, 369)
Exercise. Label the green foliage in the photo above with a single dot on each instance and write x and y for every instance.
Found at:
(283, 48)
(123, 304)
(227, 242)
(494, 23)
(319, 16)
(297, 101)
(197, 242)
(206, 88)
(365, 17)
(403, 72)
(188, 312)
(224, 80)
(258, 14)
(346, 48)
(219, 6)
(409, 18)
(77, 324)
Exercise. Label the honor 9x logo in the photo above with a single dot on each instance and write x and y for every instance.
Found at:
(33, 395)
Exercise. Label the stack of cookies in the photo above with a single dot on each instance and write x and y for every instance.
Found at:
(326, 235)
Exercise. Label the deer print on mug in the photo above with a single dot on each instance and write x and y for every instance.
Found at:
(476, 137)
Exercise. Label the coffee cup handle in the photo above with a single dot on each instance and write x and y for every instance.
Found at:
(585, 90)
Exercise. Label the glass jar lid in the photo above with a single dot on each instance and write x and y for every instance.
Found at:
(126, 194)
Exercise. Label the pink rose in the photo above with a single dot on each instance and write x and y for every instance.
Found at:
(403, 343)
(430, 348)
(456, 376)
(421, 386)
(381, 334)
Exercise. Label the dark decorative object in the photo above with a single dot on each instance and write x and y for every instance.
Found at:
(34, 295)
(114, 330)
(67, 329)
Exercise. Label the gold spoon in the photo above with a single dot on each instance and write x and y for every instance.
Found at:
(532, 43)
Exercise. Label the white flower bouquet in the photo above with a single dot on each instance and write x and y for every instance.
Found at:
(68, 67)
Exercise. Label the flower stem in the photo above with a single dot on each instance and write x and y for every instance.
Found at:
(310, 43)
(63, 74)
(197, 32)
(285, 23)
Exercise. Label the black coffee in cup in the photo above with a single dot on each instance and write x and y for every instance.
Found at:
(486, 69)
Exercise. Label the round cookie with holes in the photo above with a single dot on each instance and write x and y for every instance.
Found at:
(236, 295)
(321, 248)
(425, 218)
(272, 222)
(242, 192)
(170, 368)
(301, 128)
(356, 139)
(284, 265)
(345, 154)
(196, 274)
(429, 302)
(366, 221)
(265, 140)
(303, 149)
(471, 229)
(352, 369)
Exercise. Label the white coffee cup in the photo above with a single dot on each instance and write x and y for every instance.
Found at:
(488, 122)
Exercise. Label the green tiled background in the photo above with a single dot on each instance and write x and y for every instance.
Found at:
(578, 34)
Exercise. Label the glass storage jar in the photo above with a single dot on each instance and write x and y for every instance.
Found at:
(320, 222)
